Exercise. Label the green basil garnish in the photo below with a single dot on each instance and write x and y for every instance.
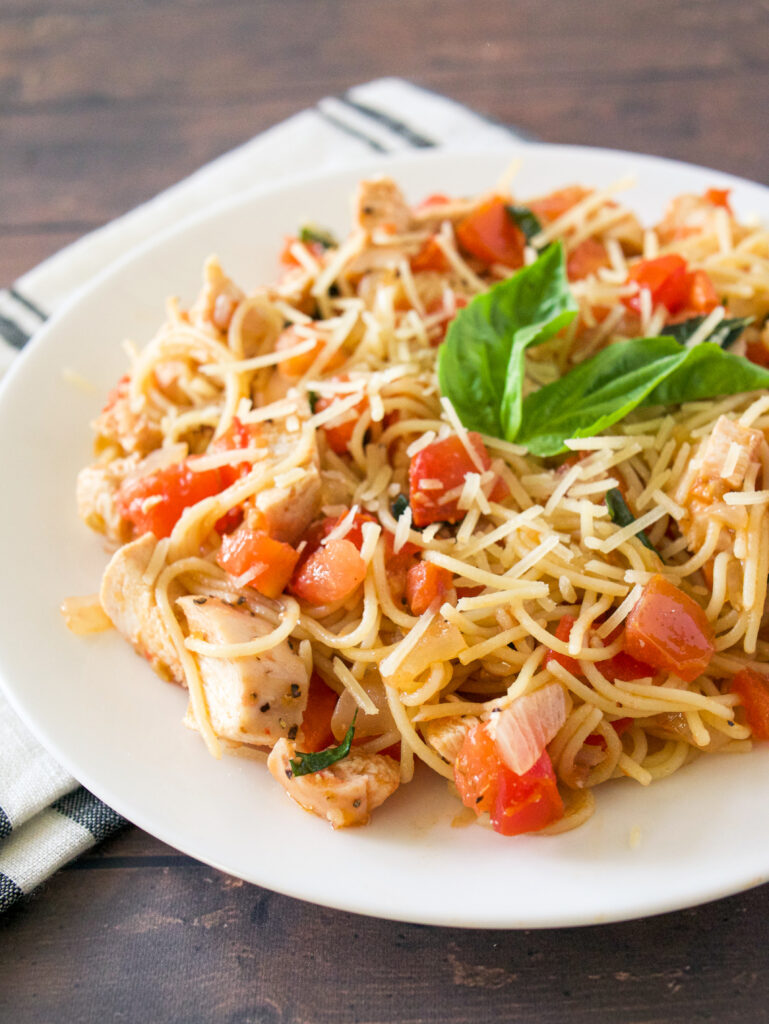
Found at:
(526, 220)
(399, 506)
(620, 514)
(312, 398)
(481, 363)
(307, 764)
(312, 233)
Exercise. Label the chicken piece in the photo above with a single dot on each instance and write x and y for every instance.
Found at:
(381, 204)
(96, 491)
(250, 700)
(446, 735)
(130, 603)
(286, 512)
(218, 299)
(133, 429)
(345, 793)
(728, 453)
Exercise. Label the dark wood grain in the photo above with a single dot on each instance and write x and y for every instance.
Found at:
(102, 104)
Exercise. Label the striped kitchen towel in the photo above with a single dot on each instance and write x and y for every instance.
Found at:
(46, 819)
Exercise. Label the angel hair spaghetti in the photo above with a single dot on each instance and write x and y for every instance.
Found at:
(485, 486)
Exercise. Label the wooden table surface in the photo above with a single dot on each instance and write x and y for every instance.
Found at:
(102, 104)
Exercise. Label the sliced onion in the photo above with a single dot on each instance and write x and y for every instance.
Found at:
(523, 730)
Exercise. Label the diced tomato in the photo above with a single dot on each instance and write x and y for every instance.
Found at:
(562, 633)
(491, 235)
(430, 257)
(287, 258)
(331, 573)
(425, 584)
(621, 726)
(516, 803)
(229, 521)
(154, 503)
(470, 591)
(553, 206)
(295, 366)
(448, 462)
(668, 630)
(527, 803)
(119, 391)
(672, 285)
(316, 721)
(719, 197)
(438, 333)
(588, 257)
(620, 666)
(757, 352)
(271, 561)
(435, 199)
(753, 690)
(339, 434)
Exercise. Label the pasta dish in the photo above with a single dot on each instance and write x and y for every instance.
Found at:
(482, 488)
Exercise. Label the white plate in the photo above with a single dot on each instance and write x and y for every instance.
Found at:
(704, 833)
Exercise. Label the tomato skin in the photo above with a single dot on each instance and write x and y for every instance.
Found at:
(668, 630)
(719, 197)
(316, 721)
(526, 803)
(434, 199)
(620, 666)
(753, 690)
(426, 583)
(340, 434)
(588, 257)
(562, 633)
(331, 573)
(516, 803)
(554, 205)
(447, 461)
(620, 726)
(430, 257)
(245, 549)
(154, 503)
(491, 235)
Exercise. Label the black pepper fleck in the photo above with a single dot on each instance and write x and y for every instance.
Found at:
(241, 600)
(296, 690)
(293, 731)
(199, 600)
(356, 803)
(289, 773)
(265, 707)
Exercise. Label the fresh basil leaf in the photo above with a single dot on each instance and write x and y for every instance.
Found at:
(481, 363)
(312, 399)
(725, 333)
(307, 764)
(707, 371)
(597, 393)
(312, 233)
(526, 220)
(399, 506)
(620, 514)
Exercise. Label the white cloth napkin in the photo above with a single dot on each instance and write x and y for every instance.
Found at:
(46, 819)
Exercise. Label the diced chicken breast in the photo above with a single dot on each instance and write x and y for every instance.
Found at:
(381, 204)
(96, 491)
(345, 793)
(130, 604)
(286, 512)
(218, 299)
(446, 735)
(250, 700)
(729, 452)
(125, 426)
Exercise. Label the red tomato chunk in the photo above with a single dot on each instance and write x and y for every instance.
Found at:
(331, 573)
(491, 235)
(316, 721)
(753, 690)
(671, 284)
(442, 467)
(154, 503)
(251, 551)
(668, 630)
(426, 583)
(516, 803)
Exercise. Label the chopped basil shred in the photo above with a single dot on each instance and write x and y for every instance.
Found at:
(307, 764)
(312, 398)
(324, 237)
(621, 515)
(399, 506)
(526, 220)
(725, 333)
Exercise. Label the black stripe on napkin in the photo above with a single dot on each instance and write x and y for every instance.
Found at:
(396, 126)
(10, 892)
(85, 809)
(28, 303)
(5, 824)
(352, 132)
(12, 333)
